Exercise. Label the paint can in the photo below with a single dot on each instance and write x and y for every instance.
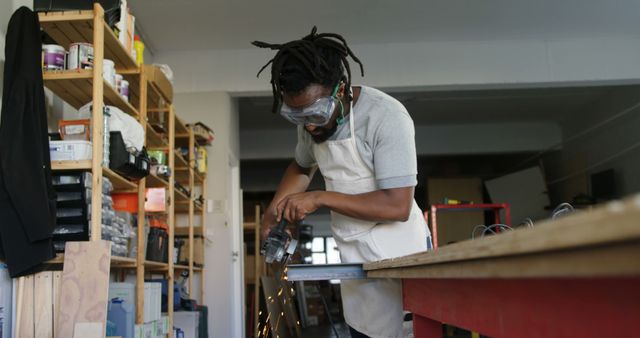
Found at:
(53, 57)
(80, 56)
(109, 72)
(124, 90)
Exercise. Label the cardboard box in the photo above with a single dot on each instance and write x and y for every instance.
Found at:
(159, 80)
(198, 250)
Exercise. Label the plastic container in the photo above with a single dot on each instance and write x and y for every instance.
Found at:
(138, 46)
(125, 202)
(121, 313)
(157, 156)
(109, 72)
(119, 79)
(124, 90)
(75, 129)
(53, 57)
(80, 56)
(70, 150)
(155, 200)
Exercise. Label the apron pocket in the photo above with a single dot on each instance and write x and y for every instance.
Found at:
(401, 238)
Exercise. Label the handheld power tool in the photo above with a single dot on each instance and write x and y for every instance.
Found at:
(279, 244)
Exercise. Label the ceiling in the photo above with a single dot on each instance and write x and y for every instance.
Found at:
(233, 24)
(459, 107)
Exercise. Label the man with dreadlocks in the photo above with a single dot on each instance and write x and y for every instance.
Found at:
(362, 140)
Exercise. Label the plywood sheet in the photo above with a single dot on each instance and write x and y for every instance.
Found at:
(525, 191)
(43, 298)
(24, 308)
(85, 286)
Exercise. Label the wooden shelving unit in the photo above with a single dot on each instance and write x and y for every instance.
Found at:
(79, 87)
(257, 269)
(75, 88)
(187, 175)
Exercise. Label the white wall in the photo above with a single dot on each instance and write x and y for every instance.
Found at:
(217, 110)
(455, 64)
(430, 140)
(603, 143)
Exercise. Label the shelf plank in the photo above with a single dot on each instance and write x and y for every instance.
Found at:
(182, 176)
(181, 127)
(182, 207)
(156, 266)
(181, 197)
(77, 26)
(249, 225)
(71, 165)
(201, 139)
(76, 88)
(155, 181)
(154, 140)
(116, 261)
(120, 184)
(181, 161)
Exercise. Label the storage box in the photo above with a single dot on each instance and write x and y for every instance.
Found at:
(70, 150)
(155, 200)
(152, 302)
(187, 321)
(198, 251)
(126, 291)
(157, 78)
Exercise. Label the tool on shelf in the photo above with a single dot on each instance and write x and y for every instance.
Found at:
(279, 244)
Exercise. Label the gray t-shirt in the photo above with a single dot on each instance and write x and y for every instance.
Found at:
(385, 139)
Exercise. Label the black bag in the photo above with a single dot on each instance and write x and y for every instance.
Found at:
(111, 7)
(132, 166)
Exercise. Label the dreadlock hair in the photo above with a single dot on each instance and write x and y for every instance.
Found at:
(314, 59)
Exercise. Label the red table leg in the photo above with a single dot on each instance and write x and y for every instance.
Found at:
(424, 327)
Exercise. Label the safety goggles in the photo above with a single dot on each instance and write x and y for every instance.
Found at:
(316, 114)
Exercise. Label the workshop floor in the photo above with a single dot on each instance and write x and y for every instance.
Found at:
(325, 331)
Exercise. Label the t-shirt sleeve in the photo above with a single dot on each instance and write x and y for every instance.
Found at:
(304, 152)
(394, 149)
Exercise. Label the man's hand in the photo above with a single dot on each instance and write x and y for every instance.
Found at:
(296, 207)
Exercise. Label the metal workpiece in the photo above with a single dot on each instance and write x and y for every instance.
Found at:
(309, 272)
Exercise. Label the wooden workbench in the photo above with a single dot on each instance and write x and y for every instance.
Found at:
(578, 276)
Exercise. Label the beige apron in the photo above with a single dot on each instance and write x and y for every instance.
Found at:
(372, 306)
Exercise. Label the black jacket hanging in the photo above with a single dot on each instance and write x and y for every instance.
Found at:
(27, 198)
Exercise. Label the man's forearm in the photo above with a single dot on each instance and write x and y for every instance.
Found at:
(390, 205)
(295, 179)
